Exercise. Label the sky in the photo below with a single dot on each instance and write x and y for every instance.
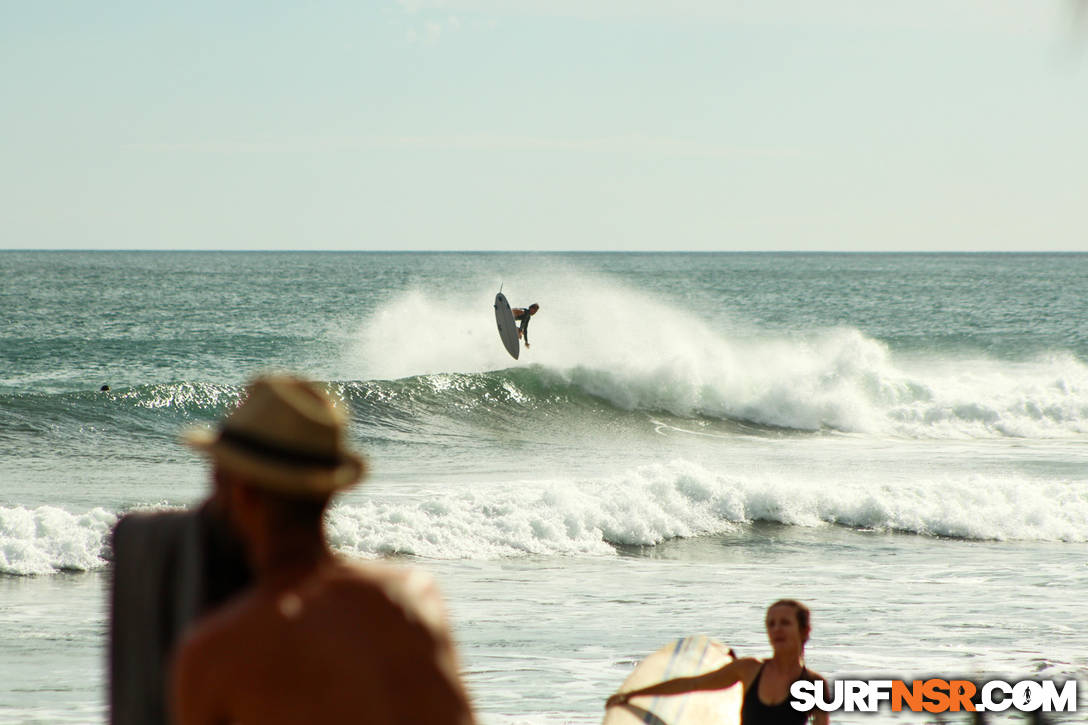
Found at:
(596, 125)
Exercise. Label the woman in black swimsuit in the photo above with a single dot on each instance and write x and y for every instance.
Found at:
(766, 682)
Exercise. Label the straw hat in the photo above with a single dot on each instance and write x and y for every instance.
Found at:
(287, 436)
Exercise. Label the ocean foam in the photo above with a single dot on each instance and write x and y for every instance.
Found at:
(680, 500)
(641, 507)
(47, 540)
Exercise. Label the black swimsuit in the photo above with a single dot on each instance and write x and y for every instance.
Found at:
(755, 712)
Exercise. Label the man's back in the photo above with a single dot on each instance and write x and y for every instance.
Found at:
(346, 644)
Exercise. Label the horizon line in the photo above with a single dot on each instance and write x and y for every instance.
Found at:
(546, 251)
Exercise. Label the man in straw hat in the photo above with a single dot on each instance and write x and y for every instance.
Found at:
(316, 639)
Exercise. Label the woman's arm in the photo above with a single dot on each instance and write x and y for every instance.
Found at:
(719, 679)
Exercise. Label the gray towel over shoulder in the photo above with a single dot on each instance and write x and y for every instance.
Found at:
(169, 568)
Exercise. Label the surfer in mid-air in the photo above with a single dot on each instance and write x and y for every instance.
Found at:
(523, 314)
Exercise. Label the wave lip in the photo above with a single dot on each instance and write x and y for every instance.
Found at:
(835, 381)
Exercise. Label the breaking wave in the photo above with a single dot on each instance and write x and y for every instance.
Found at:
(642, 507)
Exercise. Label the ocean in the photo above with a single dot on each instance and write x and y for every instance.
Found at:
(898, 440)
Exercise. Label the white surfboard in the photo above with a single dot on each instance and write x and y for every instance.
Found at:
(508, 329)
(683, 658)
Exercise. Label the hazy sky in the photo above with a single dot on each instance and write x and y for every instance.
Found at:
(545, 125)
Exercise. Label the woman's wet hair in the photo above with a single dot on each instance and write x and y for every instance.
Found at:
(804, 616)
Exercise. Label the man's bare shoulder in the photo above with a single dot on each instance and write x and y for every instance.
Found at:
(376, 633)
(199, 692)
(217, 629)
(411, 590)
(376, 588)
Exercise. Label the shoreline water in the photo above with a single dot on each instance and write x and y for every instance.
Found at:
(546, 639)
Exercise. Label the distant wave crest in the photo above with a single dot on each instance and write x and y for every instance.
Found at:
(634, 353)
(853, 389)
(847, 383)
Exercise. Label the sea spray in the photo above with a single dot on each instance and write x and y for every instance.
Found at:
(638, 352)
